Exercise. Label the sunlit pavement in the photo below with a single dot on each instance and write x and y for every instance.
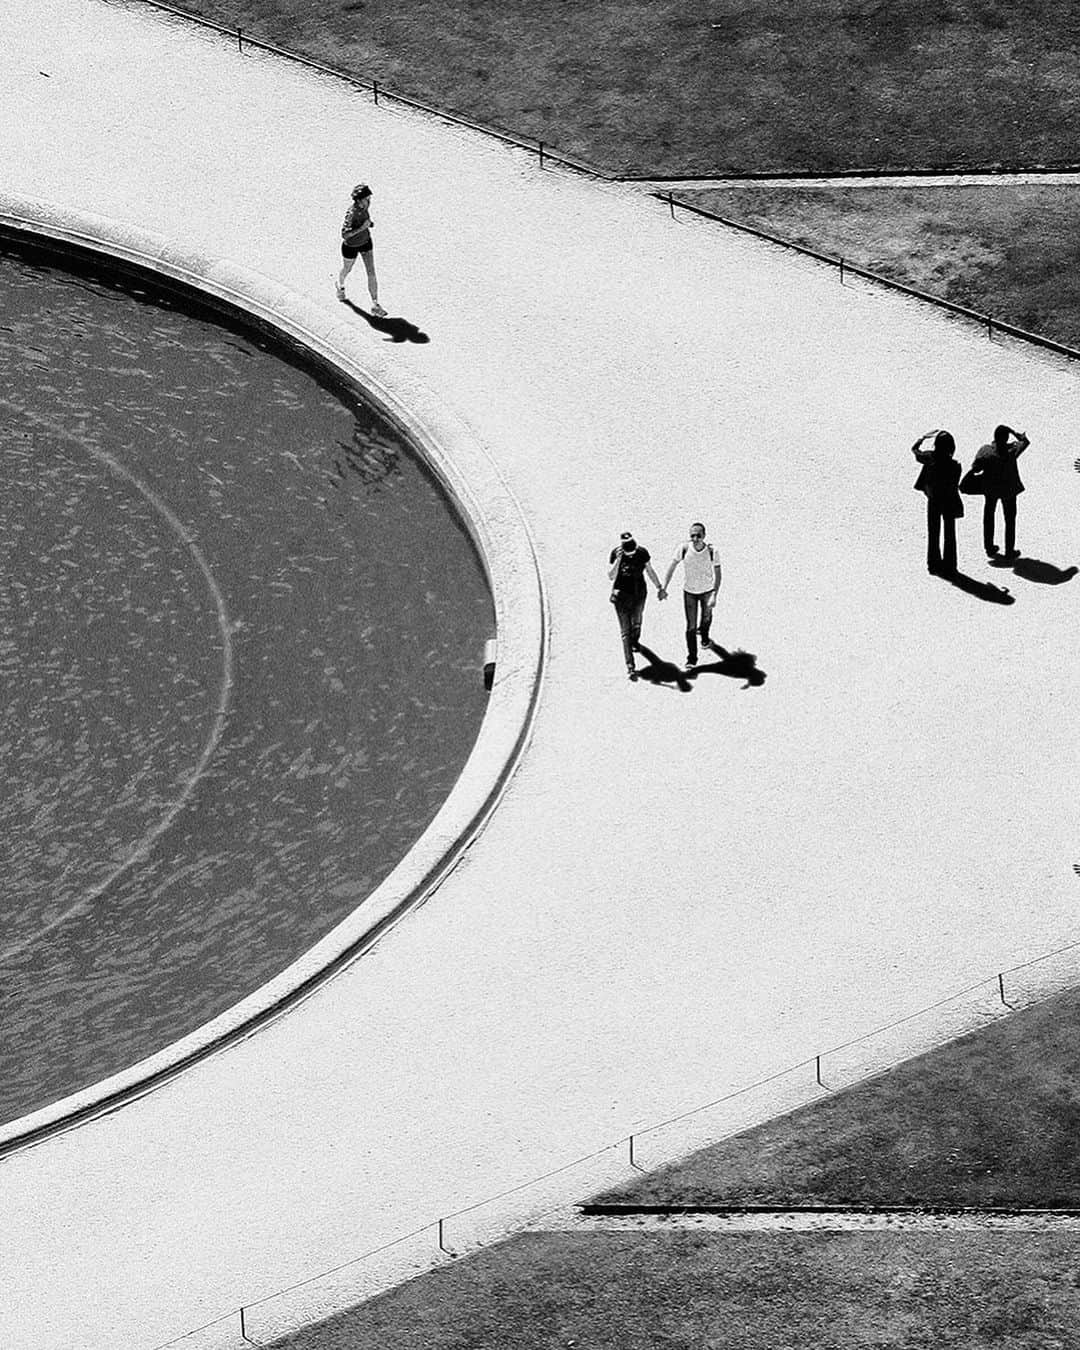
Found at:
(684, 890)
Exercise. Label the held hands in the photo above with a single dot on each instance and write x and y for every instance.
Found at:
(661, 592)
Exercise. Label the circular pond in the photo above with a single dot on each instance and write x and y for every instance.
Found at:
(241, 632)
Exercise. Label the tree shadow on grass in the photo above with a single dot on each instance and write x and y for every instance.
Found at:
(982, 590)
(396, 329)
(661, 672)
(738, 665)
(1034, 569)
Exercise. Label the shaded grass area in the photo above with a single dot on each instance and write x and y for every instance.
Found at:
(990, 1119)
(751, 1291)
(708, 86)
(1012, 252)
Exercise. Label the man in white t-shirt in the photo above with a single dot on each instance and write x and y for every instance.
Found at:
(701, 581)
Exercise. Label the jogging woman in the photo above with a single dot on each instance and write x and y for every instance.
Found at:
(356, 242)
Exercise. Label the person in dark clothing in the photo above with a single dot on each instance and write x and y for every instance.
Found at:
(628, 565)
(994, 473)
(939, 478)
(356, 242)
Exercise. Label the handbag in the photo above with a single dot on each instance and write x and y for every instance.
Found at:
(972, 483)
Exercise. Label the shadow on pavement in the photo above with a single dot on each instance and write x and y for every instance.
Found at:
(739, 665)
(1034, 569)
(396, 329)
(982, 590)
(661, 672)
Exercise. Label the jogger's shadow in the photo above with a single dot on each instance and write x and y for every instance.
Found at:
(396, 329)
(661, 672)
(738, 665)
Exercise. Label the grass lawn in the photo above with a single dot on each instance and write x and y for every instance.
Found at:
(1011, 252)
(706, 1291)
(990, 1119)
(710, 86)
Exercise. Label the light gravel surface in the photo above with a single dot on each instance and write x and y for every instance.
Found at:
(682, 892)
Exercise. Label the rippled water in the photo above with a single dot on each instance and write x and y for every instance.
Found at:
(240, 642)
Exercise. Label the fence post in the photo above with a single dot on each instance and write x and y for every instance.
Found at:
(989, 328)
(375, 91)
(841, 271)
(633, 1164)
(243, 1330)
(1001, 993)
(239, 39)
(442, 1245)
(541, 144)
(817, 1071)
(671, 205)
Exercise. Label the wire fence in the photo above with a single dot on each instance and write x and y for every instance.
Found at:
(440, 1238)
(547, 154)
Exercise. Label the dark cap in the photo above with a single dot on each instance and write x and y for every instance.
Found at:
(361, 190)
(626, 535)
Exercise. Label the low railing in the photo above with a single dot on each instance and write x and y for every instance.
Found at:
(441, 1238)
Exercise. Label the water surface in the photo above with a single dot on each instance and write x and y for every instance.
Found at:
(240, 641)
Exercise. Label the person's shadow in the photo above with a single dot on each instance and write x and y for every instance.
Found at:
(737, 665)
(396, 329)
(982, 590)
(1034, 569)
(661, 672)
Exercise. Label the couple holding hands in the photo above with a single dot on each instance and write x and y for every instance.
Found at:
(629, 564)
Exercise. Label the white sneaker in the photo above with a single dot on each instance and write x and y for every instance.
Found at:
(378, 311)
(339, 290)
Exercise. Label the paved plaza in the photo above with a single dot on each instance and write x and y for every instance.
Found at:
(683, 891)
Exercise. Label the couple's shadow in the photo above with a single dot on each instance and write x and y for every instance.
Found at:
(396, 329)
(737, 665)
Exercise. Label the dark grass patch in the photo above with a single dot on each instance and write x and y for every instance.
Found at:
(1010, 252)
(991, 1119)
(752, 1291)
(665, 87)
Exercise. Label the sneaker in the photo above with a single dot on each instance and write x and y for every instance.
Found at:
(339, 290)
(631, 673)
(691, 662)
(993, 551)
(378, 311)
(1012, 553)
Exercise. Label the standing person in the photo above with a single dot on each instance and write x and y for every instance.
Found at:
(994, 473)
(628, 565)
(939, 478)
(356, 242)
(701, 581)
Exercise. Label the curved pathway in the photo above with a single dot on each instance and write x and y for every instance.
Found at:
(681, 892)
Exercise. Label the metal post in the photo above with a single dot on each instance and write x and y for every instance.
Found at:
(541, 154)
(841, 271)
(989, 328)
(671, 205)
(1001, 993)
(633, 1164)
(243, 1330)
(375, 91)
(817, 1071)
(442, 1245)
(240, 39)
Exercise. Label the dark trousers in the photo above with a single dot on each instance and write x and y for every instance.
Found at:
(629, 617)
(693, 603)
(1008, 510)
(940, 539)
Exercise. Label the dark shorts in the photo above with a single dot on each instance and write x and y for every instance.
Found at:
(347, 250)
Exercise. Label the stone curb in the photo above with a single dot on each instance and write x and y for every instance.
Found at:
(494, 520)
